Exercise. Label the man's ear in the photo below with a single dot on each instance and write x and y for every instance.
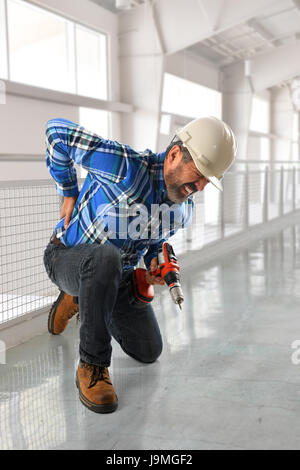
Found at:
(174, 153)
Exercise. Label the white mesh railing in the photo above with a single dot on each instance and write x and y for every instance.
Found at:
(29, 211)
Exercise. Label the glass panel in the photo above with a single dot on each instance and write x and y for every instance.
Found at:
(260, 116)
(96, 121)
(91, 63)
(165, 124)
(192, 100)
(296, 136)
(38, 47)
(3, 42)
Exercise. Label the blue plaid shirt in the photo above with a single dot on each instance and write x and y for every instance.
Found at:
(118, 182)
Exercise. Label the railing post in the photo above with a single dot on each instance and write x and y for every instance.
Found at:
(246, 200)
(222, 215)
(294, 188)
(281, 201)
(266, 196)
(189, 231)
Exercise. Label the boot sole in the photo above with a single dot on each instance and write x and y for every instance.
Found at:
(96, 408)
(52, 313)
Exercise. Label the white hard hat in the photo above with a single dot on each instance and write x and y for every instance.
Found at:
(212, 145)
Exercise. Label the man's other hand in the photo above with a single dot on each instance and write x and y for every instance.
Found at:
(152, 279)
(67, 209)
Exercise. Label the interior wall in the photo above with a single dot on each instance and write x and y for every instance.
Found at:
(23, 122)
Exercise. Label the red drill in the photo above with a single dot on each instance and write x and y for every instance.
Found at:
(168, 270)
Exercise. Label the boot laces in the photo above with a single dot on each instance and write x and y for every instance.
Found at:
(72, 313)
(98, 374)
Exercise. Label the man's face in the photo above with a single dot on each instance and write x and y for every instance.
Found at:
(181, 179)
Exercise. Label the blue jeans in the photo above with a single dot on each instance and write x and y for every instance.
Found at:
(93, 273)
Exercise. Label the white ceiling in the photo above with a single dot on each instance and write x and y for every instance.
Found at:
(276, 26)
(111, 4)
(262, 33)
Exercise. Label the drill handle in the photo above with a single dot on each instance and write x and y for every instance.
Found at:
(167, 256)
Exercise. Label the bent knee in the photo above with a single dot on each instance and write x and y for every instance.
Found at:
(147, 354)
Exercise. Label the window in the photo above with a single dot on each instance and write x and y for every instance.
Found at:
(190, 99)
(96, 121)
(260, 116)
(3, 44)
(91, 63)
(48, 51)
(185, 98)
(296, 137)
(165, 124)
(260, 122)
(37, 47)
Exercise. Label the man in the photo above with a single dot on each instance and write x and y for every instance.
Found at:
(115, 220)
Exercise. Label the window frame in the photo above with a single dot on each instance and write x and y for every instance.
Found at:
(72, 61)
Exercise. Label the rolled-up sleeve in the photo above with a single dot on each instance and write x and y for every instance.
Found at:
(68, 143)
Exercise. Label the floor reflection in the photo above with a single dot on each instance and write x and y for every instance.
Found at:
(225, 367)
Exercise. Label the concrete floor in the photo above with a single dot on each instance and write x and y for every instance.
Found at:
(225, 379)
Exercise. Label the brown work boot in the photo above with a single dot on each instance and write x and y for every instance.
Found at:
(63, 309)
(96, 391)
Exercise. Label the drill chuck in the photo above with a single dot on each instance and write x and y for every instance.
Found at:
(173, 282)
(177, 294)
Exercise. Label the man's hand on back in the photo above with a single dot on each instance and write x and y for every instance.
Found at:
(67, 209)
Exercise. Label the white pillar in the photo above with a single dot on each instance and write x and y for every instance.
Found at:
(141, 84)
(237, 105)
(141, 74)
(282, 113)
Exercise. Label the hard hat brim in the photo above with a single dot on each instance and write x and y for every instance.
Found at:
(213, 180)
(217, 183)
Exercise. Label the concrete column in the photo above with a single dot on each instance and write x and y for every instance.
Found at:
(298, 135)
(237, 105)
(141, 75)
(282, 112)
(141, 85)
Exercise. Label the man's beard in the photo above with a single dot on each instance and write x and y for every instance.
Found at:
(174, 188)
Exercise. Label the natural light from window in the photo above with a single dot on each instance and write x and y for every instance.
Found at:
(48, 51)
(260, 116)
(296, 137)
(96, 121)
(91, 63)
(186, 98)
(3, 45)
(260, 122)
(37, 46)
